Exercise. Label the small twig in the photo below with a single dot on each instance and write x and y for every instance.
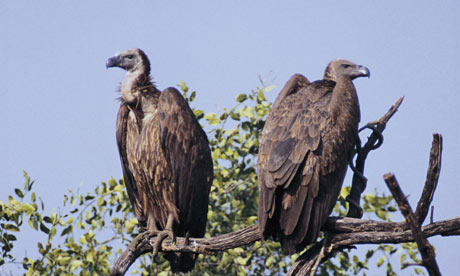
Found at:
(404, 265)
(432, 178)
(432, 214)
(425, 248)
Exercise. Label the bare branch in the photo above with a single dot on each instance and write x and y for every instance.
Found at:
(143, 244)
(344, 232)
(432, 177)
(425, 248)
(359, 182)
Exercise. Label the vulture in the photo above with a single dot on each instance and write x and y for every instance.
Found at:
(165, 157)
(304, 152)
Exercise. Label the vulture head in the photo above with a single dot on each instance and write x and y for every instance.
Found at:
(344, 68)
(138, 66)
(130, 60)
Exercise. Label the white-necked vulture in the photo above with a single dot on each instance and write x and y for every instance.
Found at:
(165, 156)
(304, 153)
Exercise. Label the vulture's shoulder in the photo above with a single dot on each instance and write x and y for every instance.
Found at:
(295, 83)
(178, 126)
(172, 100)
(176, 117)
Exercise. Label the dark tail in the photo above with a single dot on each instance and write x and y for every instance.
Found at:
(181, 262)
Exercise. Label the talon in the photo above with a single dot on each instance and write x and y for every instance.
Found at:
(161, 236)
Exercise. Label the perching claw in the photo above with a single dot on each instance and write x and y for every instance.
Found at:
(162, 235)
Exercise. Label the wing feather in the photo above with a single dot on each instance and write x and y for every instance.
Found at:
(186, 146)
(289, 167)
(128, 177)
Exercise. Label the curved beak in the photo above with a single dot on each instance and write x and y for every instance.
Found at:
(362, 71)
(113, 61)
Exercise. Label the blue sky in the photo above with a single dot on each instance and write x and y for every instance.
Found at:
(58, 100)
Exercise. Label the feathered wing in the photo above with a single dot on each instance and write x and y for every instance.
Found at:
(292, 86)
(186, 149)
(128, 177)
(296, 190)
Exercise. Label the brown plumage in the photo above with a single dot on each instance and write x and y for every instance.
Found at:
(165, 156)
(304, 153)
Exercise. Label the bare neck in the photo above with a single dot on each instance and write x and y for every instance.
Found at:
(132, 85)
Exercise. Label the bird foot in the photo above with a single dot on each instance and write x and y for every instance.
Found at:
(161, 236)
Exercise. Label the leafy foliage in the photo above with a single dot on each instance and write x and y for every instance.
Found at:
(90, 231)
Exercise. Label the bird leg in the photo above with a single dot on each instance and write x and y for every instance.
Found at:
(162, 235)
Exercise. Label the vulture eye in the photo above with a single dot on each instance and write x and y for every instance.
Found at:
(130, 56)
(346, 66)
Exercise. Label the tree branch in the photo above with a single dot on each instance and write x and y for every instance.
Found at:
(432, 177)
(425, 248)
(346, 232)
(359, 182)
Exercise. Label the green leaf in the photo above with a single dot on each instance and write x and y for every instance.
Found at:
(241, 98)
(67, 230)
(44, 229)
(100, 202)
(183, 86)
(198, 113)
(212, 119)
(75, 264)
(32, 221)
(241, 261)
(52, 232)
(26, 207)
(130, 224)
(192, 96)
(47, 219)
(19, 193)
(269, 261)
(27, 181)
(10, 237)
(11, 227)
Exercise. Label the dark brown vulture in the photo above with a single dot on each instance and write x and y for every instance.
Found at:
(165, 156)
(304, 154)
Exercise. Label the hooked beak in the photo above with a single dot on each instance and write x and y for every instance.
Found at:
(362, 71)
(113, 61)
